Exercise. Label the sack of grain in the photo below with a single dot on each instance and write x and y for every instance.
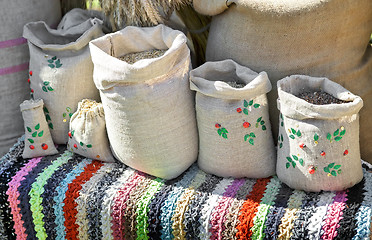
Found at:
(149, 107)
(38, 141)
(235, 137)
(61, 70)
(322, 38)
(87, 135)
(318, 147)
(14, 59)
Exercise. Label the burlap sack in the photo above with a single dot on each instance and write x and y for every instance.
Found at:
(318, 144)
(285, 37)
(38, 141)
(87, 135)
(62, 70)
(149, 108)
(14, 59)
(235, 137)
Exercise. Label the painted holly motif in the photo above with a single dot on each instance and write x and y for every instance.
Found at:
(261, 122)
(54, 62)
(68, 113)
(29, 81)
(333, 169)
(250, 137)
(281, 120)
(337, 135)
(293, 133)
(293, 161)
(82, 145)
(280, 141)
(246, 105)
(47, 117)
(34, 134)
(221, 130)
(46, 87)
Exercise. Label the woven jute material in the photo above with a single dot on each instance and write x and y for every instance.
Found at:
(149, 107)
(235, 137)
(62, 69)
(14, 58)
(310, 37)
(318, 147)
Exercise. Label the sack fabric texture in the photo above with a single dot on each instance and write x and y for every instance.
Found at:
(318, 146)
(149, 107)
(14, 58)
(87, 135)
(320, 38)
(62, 69)
(38, 141)
(232, 112)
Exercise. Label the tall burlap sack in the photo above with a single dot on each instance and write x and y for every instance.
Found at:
(62, 70)
(322, 38)
(149, 108)
(14, 59)
(235, 137)
(87, 135)
(318, 144)
(38, 141)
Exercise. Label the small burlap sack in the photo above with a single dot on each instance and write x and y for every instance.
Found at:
(318, 146)
(61, 70)
(38, 141)
(235, 137)
(321, 38)
(149, 107)
(87, 135)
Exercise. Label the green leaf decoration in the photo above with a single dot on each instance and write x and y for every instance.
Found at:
(289, 159)
(58, 64)
(259, 119)
(264, 127)
(224, 135)
(291, 136)
(245, 103)
(256, 105)
(64, 115)
(45, 110)
(342, 133)
(337, 167)
(329, 136)
(301, 161)
(281, 116)
(331, 165)
(293, 164)
(54, 58)
(256, 125)
(293, 131)
(298, 133)
(333, 173)
(50, 61)
(287, 165)
(30, 140)
(339, 171)
(282, 124)
(46, 83)
(48, 117)
(50, 125)
(326, 170)
(44, 89)
(336, 132)
(295, 157)
(89, 146)
(251, 141)
(50, 88)
(29, 129)
(280, 145)
(262, 122)
(316, 137)
(37, 126)
(34, 134)
(250, 103)
(68, 109)
(245, 111)
(246, 137)
(281, 137)
(219, 131)
(81, 144)
(51, 65)
(70, 115)
(72, 132)
(224, 130)
(252, 135)
(338, 138)
(41, 133)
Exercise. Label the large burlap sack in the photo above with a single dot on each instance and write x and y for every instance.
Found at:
(235, 137)
(318, 144)
(149, 107)
(285, 37)
(87, 135)
(62, 70)
(14, 59)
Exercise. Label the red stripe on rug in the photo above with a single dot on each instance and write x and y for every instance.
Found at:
(14, 69)
(12, 42)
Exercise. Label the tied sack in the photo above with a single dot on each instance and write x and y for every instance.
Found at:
(318, 146)
(320, 38)
(149, 108)
(38, 141)
(61, 70)
(87, 135)
(232, 112)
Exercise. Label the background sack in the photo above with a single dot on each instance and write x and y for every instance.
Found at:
(234, 129)
(149, 107)
(14, 58)
(87, 135)
(38, 141)
(62, 70)
(330, 159)
(311, 37)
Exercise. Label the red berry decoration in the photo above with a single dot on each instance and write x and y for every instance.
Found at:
(239, 110)
(322, 153)
(69, 134)
(312, 169)
(44, 146)
(346, 152)
(32, 147)
(75, 146)
(217, 125)
(32, 90)
(302, 145)
(28, 80)
(30, 73)
(246, 124)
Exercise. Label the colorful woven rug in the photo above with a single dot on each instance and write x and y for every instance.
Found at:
(66, 196)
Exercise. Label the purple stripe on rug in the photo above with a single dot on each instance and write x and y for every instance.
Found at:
(12, 42)
(14, 69)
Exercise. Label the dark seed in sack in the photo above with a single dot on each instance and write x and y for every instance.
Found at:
(134, 57)
(235, 84)
(320, 98)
